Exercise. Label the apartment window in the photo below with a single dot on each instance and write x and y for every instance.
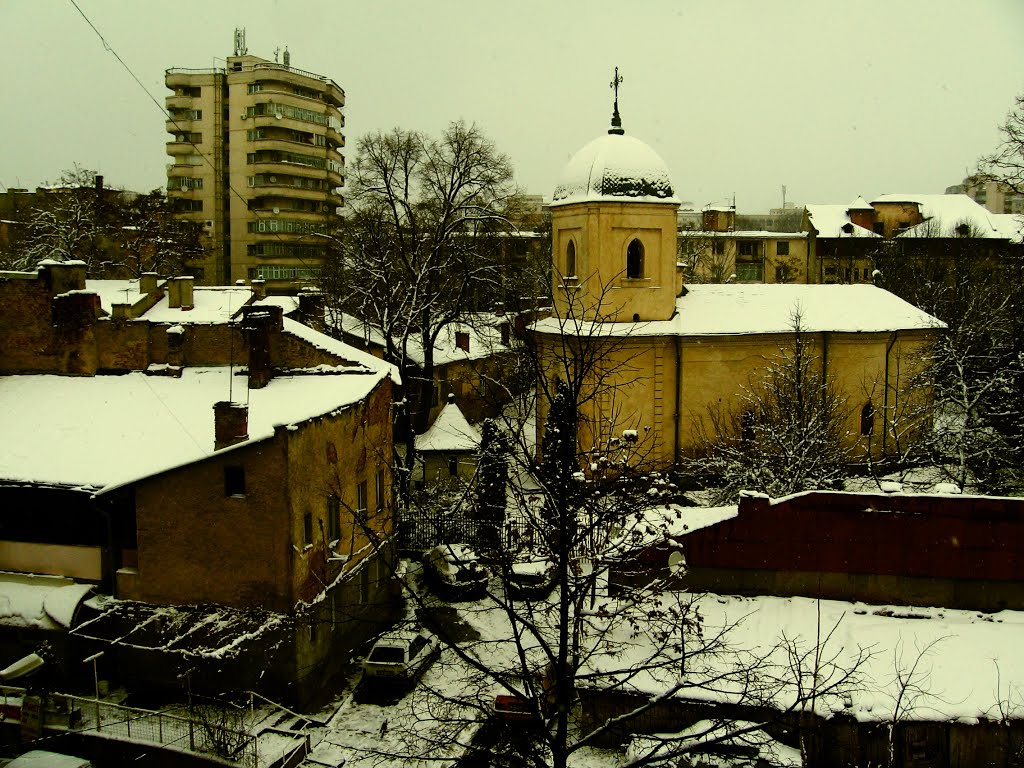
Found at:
(718, 248)
(361, 504)
(748, 248)
(378, 490)
(307, 528)
(333, 518)
(281, 272)
(234, 480)
(635, 260)
(867, 418)
(254, 87)
(750, 273)
(782, 248)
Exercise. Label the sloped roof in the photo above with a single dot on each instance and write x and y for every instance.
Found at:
(99, 432)
(830, 220)
(944, 213)
(733, 310)
(449, 432)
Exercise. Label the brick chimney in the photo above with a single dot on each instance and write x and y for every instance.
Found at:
(462, 341)
(173, 288)
(311, 308)
(147, 282)
(230, 424)
(259, 289)
(262, 326)
(185, 285)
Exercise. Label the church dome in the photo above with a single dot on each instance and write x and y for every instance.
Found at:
(615, 168)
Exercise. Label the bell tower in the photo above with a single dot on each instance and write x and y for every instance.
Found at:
(613, 231)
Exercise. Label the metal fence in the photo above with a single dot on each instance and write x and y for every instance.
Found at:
(203, 732)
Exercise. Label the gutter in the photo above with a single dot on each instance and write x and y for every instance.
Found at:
(885, 396)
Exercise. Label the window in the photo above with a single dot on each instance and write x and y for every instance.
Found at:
(748, 248)
(378, 491)
(333, 518)
(782, 274)
(718, 248)
(453, 466)
(361, 501)
(234, 480)
(570, 259)
(879, 228)
(635, 260)
(281, 272)
(752, 272)
(782, 248)
(307, 528)
(867, 418)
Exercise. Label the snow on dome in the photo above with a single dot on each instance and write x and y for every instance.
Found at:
(614, 167)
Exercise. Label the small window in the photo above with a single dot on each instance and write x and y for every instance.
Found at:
(378, 491)
(361, 505)
(867, 418)
(635, 260)
(333, 518)
(718, 248)
(879, 227)
(748, 248)
(307, 528)
(453, 466)
(782, 248)
(234, 480)
(570, 259)
(782, 274)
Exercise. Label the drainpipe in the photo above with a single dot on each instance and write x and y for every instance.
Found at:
(678, 398)
(885, 397)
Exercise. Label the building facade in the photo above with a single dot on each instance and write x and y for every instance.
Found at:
(650, 355)
(256, 159)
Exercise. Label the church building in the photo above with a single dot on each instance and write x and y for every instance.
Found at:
(651, 355)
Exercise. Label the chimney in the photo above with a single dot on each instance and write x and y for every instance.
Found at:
(262, 326)
(462, 341)
(259, 289)
(311, 308)
(176, 346)
(230, 424)
(147, 282)
(185, 291)
(173, 293)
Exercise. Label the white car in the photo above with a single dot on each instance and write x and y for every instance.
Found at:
(456, 572)
(400, 655)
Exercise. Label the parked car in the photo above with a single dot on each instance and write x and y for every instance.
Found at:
(400, 656)
(455, 572)
(532, 577)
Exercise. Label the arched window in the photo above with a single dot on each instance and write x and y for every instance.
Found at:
(867, 418)
(570, 259)
(635, 260)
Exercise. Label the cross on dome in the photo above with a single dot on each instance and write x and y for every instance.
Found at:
(616, 120)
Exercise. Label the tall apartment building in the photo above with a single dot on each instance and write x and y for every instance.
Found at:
(256, 150)
(994, 195)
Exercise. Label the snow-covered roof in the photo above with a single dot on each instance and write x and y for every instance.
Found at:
(115, 291)
(340, 348)
(944, 213)
(288, 304)
(737, 233)
(484, 334)
(449, 432)
(860, 204)
(730, 310)
(211, 304)
(615, 167)
(99, 432)
(1010, 225)
(39, 602)
(830, 221)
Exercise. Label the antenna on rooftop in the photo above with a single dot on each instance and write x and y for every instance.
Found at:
(240, 49)
(783, 195)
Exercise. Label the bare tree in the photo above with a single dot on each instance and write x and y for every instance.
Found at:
(419, 238)
(600, 629)
(1006, 163)
(786, 433)
(705, 256)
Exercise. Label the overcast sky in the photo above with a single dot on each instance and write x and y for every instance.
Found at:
(831, 98)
